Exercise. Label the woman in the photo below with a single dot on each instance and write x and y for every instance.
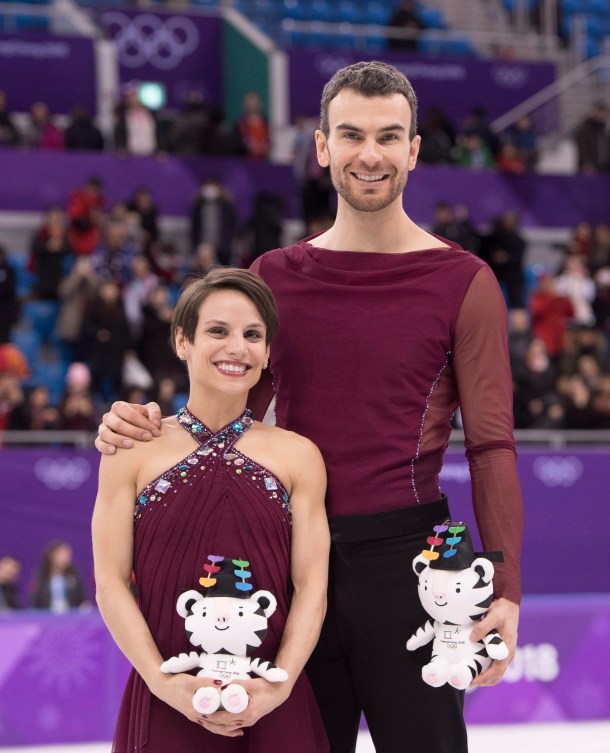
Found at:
(214, 482)
(58, 585)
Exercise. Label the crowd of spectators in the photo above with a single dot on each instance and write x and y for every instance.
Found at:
(57, 585)
(102, 282)
(111, 281)
(559, 319)
(108, 278)
(475, 145)
(199, 128)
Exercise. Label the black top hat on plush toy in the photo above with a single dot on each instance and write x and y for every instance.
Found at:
(226, 577)
(451, 548)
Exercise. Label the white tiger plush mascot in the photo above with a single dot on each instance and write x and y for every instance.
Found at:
(225, 623)
(456, 589)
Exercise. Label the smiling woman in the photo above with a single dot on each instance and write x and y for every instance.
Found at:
(214, 485)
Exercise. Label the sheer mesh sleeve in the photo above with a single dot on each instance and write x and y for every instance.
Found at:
(482, 374)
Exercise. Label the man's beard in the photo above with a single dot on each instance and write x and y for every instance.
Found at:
(394, 185)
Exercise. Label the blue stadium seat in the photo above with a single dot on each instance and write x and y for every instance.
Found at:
(430, 45)
(262, 8)
(594, 27)
(432, 18)
(378, 13)
(376, 43)
(53, 375)
(458, 47)
(296, 9)
(346, 10)
(28, 342)
(24, 278)
(41, 316)
(598, 7)
(592, 47)
(513, 5)
(320, 10)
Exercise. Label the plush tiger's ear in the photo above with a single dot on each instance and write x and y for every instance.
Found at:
(185, 602)
(483, 568)
(267, 602)
(419, 564)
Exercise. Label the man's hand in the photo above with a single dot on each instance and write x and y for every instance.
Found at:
(126, 422)
(264, 697)
(503, 615)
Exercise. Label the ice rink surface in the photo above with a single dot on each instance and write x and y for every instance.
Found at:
(591, 737)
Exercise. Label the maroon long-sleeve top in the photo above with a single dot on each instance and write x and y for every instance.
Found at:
(374, 354)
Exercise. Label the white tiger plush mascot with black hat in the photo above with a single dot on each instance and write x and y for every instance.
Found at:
(456, 589)
(226, 622)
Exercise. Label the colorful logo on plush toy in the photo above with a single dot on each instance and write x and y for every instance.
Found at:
(214, 566)
(451, 541)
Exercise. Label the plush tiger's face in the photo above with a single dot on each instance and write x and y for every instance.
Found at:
(223, 624)
(455, 596)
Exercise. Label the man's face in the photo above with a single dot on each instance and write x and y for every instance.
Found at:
(368, 148)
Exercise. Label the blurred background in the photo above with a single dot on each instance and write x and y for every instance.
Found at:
(143, 141)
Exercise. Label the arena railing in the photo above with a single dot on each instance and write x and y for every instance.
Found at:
(77, 439)
(552, 438)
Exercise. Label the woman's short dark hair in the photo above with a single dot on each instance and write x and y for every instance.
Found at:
(369, 79)
(197, 289)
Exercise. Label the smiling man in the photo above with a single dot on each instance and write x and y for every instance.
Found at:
(385, 331)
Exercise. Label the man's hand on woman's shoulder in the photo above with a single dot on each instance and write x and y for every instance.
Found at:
(126, 422)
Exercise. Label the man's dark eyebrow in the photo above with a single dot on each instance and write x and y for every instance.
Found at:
(385, 129)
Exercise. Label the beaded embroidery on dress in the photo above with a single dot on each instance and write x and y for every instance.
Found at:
(213, 448)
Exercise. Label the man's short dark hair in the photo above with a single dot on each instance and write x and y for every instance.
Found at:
(369, 79)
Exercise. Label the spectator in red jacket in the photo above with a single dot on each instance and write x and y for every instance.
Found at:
(84, 212)
(550, 315)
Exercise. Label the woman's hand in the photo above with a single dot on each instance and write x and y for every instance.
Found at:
(178, 691)
(264, 697)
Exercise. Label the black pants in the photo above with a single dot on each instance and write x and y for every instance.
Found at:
(361, 663)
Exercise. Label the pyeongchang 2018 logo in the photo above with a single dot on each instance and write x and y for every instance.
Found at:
(558, 470)
(63, 472)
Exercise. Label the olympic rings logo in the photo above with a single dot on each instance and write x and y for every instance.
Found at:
(328, 65)
(62, 472)
(510, 76)
(558, 470)
(148, 39)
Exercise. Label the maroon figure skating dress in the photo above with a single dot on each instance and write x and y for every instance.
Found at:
(215, 501)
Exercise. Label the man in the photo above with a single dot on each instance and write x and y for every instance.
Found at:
(385, 329)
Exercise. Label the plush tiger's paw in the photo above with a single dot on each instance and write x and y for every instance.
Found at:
(234, 699)
(206, 700)
(459, 676)
(435, 673)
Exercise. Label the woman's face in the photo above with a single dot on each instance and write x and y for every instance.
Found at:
(229, 348)
(62, 556)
